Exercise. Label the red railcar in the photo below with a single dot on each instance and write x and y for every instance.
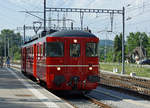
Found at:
(64, 60)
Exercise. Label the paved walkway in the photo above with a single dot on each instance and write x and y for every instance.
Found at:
(16, 91)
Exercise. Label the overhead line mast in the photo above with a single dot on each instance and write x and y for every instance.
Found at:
(44, 15)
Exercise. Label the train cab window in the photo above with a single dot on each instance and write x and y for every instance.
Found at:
(41, 50)
(91, 50)
(75, 50)
(54, 49)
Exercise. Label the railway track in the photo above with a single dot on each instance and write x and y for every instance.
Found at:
(100, 104)
(119, 99)
(108, 98)
(81, 101)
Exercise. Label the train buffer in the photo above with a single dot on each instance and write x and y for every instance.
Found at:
(17, 91)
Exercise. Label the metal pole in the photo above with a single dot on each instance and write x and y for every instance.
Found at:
(50, 21)
(57, 19)
(140, 48)
(123, 35)
(71, 25)
(8, 46)
(105, 51)
(81, 18)
(24, 33)
(5, 45)
(44, 15)
(64, 21)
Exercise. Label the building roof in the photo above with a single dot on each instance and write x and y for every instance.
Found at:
(140, 51)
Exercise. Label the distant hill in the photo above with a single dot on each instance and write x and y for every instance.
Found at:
(108, 43)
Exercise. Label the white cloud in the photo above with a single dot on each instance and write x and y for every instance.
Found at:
(23, 1)
(80, 3)
(27, 4)
(138, 2)
(83, 3)
(93, 3)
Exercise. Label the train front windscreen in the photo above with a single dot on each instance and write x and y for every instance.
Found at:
(91, 50)
(54, 49)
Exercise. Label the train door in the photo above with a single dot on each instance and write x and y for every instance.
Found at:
(34, 59)
(74, 60)
(24, 59)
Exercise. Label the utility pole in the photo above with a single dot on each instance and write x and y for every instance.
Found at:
(64, 21)
(49, 21)
(111, 20)
(5, 46)
(44, 15)
(57, 19)
(24, 33)
(123, 35)
(8, 46)
(105, 51)
(81, 19)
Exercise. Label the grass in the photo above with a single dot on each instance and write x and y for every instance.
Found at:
(139, 70)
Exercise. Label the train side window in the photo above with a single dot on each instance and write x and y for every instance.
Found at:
(38, 51)
(41, 49)
(44, 49)
(32, 51)
(28, 53)
(75, 50)
(91, 50)
(54, 49)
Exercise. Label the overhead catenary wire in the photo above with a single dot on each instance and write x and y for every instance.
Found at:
(133, 8)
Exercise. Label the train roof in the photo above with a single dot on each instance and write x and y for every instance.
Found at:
(71, 33)
(63, 33)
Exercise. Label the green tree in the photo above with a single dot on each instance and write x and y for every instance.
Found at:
(109, 56)
(148, 48)
(117, 48)
(137, 39)
(101, 53)
(11, 39)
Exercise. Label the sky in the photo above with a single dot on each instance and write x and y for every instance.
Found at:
(137, 15)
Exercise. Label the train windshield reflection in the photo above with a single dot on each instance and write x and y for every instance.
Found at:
(91, 50)
(75, 50)
(54, 49)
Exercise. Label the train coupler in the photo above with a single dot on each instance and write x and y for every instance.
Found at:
(74, 82)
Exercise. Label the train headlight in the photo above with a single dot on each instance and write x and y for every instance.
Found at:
(75, 41)
(90, 68)
(58, 68)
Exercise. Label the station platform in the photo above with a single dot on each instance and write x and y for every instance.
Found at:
(17, 91)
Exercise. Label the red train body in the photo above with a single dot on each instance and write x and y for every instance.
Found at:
(64, 60)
